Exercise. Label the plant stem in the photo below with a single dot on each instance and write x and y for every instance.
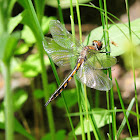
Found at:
(79, 98)
(79, 20)
(106, 37)
(45, 86)
(8, 103)
(39, 38)
(9, 115)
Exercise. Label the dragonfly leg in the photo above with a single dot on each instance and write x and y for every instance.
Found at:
(105, 52)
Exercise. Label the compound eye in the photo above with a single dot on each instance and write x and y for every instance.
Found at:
(94, 42)
(99, 45)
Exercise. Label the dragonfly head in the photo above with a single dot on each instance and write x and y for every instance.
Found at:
(98, 44)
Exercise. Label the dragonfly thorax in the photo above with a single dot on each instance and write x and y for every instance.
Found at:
(84, 52)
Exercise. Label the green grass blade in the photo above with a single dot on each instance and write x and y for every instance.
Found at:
(60, 12)
(108, 50)
(113, 114)
(109, 137)
(39, 6)
(133, 68)
(77, 84)
(126, 113)
(128, 15)
(124, 120)
(106, 37)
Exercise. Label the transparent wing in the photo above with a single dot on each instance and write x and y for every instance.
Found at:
(101, 61)
(94, 78)
(62, 37)
(61, 56)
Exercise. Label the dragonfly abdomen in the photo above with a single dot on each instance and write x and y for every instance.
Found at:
(66, 81)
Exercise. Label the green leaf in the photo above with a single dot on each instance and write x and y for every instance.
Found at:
(102, 118)
(3, 41)
(64, 3)
(22, 48)
(38, 93)
(33, 23)
(70, 97)
(45, 23)
(20, 129)
(11, 5)
(131, 50)
(8, 45)
(28, 36)
(52, 87)
(2, 118)
(39, 6)
(14, 21)
(30, 23)
(60, 135)
(15, 62)
(119, 34)
(19, 98)
(23, 3)
(31, 67)
(17, 126)
(133, 138)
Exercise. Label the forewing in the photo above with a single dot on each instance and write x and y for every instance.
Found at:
(63, 37)
(94, 78)
(61, 56)
(101, 61)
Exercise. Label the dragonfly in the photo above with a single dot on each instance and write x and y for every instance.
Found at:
(91, 60)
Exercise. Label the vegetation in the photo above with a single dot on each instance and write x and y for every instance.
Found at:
(16, 56)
